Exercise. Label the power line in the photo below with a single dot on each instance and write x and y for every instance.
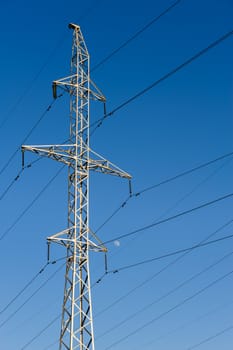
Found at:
(187, 194)
(184, 301)
(30, 282)
(28, 134)
(134, 36)
(16, 178)
(100, 121)
(41, 332)
(187, 324)
(24, 288)
(94, 68)
(206, 340)
(158, 273)
(172, 291)
(187, 172)
(176, 252)
(7, 231)
(30, 297)
(157, 223)
(52, 53)
(161, 183)
(223, 226)
(52, 322)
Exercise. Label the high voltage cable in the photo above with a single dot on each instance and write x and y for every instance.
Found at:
(100, 121)
(206, 340)
(30, 297)
(184, 301)
(16, 178)
(144, 282)
(50, 324)
(158, 273)
(48, 347)
(94, 68)
(161, 183)
(25, 93)
(187, 324)
(184, 173)
(24, 288)
(28, 88)
(134, 36)
(135, 194)
(173, 290)
(176, 252)
(28, 135)
(7, 231)
(41, 332)
(157, 223)
(30, 282)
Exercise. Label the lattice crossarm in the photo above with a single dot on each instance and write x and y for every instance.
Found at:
(65, 238)
(51, 151)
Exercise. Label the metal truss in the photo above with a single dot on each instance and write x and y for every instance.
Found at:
(77, 322)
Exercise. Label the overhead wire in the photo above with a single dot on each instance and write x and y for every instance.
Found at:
(224, 37)
(30, 282)
(173, 217)
(155, 19)
(178, 305)
(40, 333)
(135, 35)
(28, 135)
(184, 173)
(161, 183)
(9, 229)
(41, 69)
(42, 269)
(139, 286)
(60, 41)
(16, 178)
(159, 272)
(187, 324)
(206, 340)
(170, 292)
(51, 323)
(167, 255)
(100, 121)
(30, 297)
(18, 175)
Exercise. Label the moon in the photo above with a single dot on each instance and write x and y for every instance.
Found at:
(117, 243)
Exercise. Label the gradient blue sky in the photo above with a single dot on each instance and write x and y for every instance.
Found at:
(183, 122)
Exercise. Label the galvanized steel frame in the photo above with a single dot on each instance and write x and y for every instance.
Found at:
(77, 321)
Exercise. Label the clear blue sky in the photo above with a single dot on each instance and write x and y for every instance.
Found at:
(183, 122)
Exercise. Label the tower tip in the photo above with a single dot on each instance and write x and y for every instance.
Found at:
(73, 26)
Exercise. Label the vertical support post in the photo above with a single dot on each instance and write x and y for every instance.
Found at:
(77, 325)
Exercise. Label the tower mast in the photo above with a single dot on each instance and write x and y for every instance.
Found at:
(77, 322)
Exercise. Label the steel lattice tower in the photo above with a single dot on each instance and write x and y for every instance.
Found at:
(77, 323)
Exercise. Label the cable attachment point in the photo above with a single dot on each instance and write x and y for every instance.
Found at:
(130, 188)
(16, 178)
(105, 263)
(54, 87)
(22, 150)
(105, 110)
(48, 251)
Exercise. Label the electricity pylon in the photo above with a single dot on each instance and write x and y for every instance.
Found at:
(77, 322)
